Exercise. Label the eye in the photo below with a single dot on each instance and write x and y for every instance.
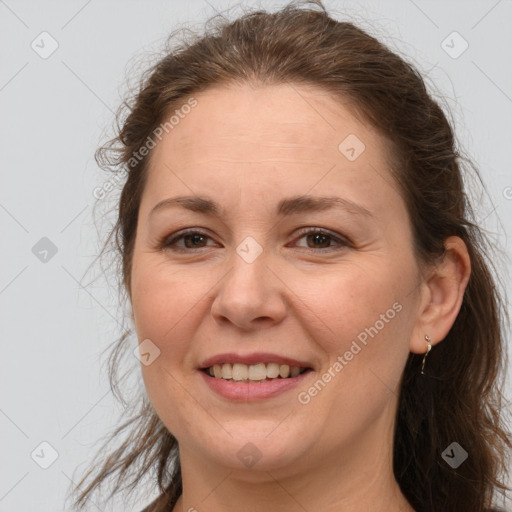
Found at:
(191, 239)
(320, 239)
(316, 238)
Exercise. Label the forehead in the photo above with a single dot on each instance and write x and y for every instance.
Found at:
(273, 139)
(285, 119)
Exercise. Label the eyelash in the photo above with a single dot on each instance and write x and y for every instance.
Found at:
(169, 242)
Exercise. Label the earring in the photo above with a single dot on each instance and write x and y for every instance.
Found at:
(429, 347)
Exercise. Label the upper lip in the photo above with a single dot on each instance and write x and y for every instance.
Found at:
(254, 358)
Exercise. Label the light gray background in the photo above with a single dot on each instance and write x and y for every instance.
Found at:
(54, 322)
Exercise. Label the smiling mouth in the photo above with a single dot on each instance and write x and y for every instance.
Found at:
(261, 372)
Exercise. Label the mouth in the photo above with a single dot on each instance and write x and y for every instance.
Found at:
(255, 379)
(254, 373)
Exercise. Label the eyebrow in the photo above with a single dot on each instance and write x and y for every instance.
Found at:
(286, 207)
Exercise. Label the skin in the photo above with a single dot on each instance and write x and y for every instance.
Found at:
(247, 147)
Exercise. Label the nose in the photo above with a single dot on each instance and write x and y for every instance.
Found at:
(250, 296)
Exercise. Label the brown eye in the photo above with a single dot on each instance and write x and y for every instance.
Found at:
(319, 240)
(315, 239)
(194, 241)
(323, 240)
(191, 240)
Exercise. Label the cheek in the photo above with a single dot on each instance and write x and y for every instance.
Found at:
(356, 302)
(161, 300)
(165, 311)
(337, 307)
(354, 312)
(366, 320)
(365, 324)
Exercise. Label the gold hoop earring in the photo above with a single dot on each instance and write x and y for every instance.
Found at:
(429, 347)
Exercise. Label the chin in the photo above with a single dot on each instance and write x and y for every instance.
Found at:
(250, 454)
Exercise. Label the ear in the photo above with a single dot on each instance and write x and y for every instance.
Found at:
(442, 292)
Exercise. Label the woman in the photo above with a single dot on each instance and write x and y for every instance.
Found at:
(318, 325)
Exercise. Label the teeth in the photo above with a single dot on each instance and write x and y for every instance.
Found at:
(240, 371)
(272, 370)
(294, 371)
(227, 371)
(257, 372)
(254, 372)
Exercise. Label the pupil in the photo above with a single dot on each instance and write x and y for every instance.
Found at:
(194, 239)
(319, 237)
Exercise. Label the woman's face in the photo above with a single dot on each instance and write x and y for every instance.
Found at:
(298, 252)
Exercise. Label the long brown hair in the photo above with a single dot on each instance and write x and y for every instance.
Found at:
(459, 399)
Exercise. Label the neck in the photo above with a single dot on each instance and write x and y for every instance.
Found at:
(356, 479)
(228, 494)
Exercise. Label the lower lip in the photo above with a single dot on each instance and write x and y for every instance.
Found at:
(250, 391)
